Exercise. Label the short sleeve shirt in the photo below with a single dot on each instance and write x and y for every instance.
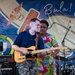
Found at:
(24, 39)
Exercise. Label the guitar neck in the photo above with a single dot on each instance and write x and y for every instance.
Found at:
(48, 49)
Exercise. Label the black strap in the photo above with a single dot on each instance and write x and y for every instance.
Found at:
(36, 41)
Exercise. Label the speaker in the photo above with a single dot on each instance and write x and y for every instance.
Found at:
(8, 68)
(1, 46)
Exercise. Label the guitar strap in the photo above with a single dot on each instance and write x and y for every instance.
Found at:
(36, 45)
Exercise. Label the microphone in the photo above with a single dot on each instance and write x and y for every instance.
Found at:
(69, 21)
(65, 35)
(69, 24)
(51, 25)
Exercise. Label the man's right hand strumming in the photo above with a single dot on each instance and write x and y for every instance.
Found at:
(21, 49)
(24, 51)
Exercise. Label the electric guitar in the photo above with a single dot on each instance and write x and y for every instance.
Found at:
(19, 57)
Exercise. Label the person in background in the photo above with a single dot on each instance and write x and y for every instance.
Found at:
(27, 39)
(46, 62)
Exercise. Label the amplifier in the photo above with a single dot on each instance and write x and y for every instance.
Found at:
(8, 68)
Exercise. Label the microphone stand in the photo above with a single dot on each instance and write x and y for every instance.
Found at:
(63, 43)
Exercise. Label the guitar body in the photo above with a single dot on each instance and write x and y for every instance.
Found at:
(19, 57)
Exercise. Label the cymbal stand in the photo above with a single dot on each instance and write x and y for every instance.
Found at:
(59, 66)
(63, 43)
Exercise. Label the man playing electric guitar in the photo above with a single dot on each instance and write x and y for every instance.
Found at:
(27, 39)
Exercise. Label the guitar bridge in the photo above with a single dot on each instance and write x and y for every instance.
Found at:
(20, 58)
